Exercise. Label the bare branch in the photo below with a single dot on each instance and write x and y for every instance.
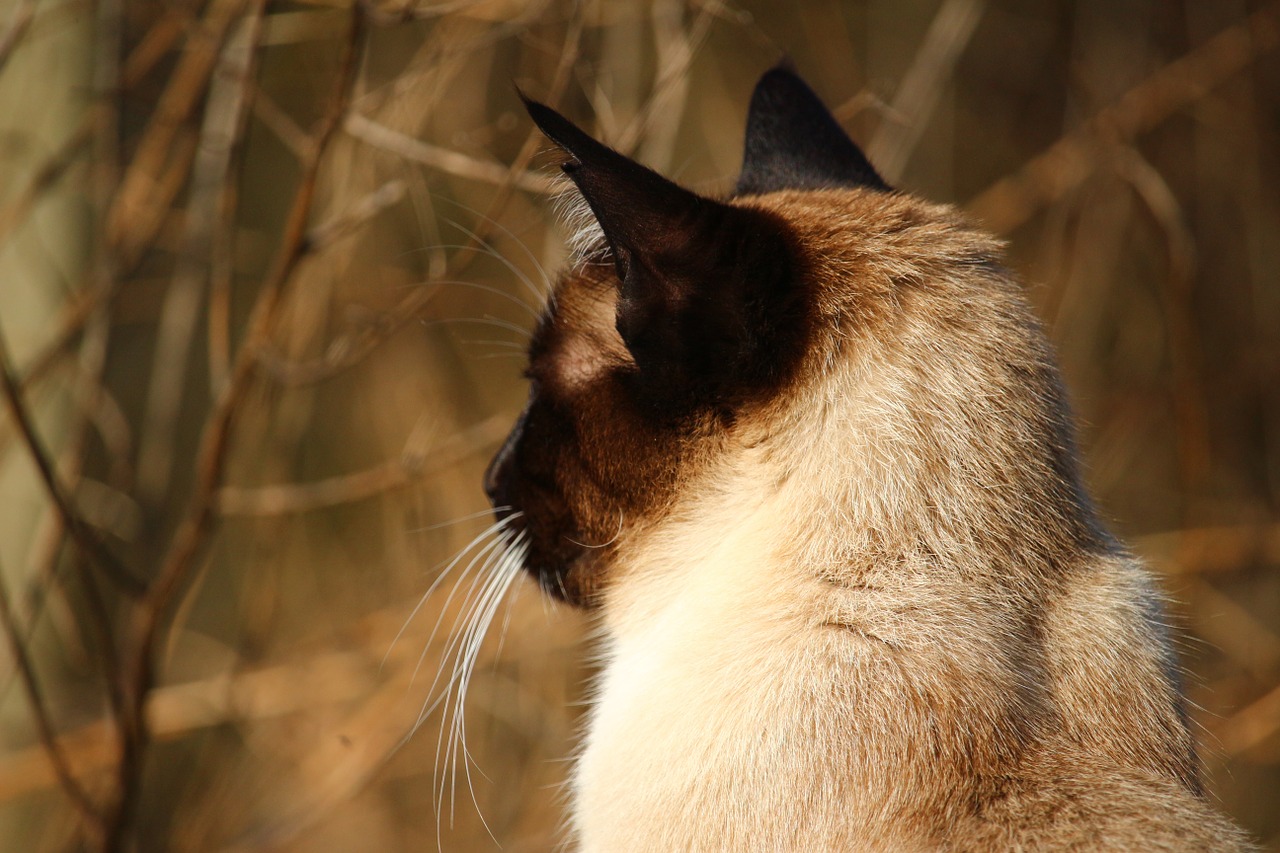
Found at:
(222, 119)
(360, 214)
(444, 159)
(917, 96)
(44, 729)
(1012, 200)
(19, 23)
(394, 474)
(191, 535)
(84, 536)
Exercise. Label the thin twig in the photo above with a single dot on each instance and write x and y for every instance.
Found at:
(222, 247)
(139, 63)
(357, 216)
(84, 536)
(44, 729)
(1252, 725)
(1209, 550)
(444, 159)
(1012, 200)
(176, 331)
(138, 199)
(1195, 448)
(193, 530)
(19, 23)
(352, 349)
(672, 78)
(917, 96)
(279, 122)
(393, 474)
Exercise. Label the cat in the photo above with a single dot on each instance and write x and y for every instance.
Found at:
(805, 453)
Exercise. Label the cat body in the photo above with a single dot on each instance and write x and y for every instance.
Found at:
(806, 453)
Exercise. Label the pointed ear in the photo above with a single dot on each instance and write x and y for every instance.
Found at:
(794, 143)
(640, 212)
(701, 283)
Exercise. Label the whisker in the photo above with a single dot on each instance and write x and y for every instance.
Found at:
(486, 320)
(483, 608)
(468, 517)
(528, 253)
(479, 537)
(488, 288)
(616, 534)
(492, 355)
(464, 665)
(502, 259)
(511, 344)
(486, 554)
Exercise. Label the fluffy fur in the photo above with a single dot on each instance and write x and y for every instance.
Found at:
(858, 600)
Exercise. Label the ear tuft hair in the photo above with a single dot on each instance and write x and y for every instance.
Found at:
(703, 286)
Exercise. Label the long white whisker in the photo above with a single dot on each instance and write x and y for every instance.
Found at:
(515, 270)
(479, 537)
(486, 553)
(482, 607)
(487, 288)
(542, 271)
(533, 312)
(468, 517)
(491, 342)
(490, 556)
(506, 572)
(486, 320)
(614, 538)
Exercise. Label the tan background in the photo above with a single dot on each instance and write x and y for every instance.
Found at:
(266, 380)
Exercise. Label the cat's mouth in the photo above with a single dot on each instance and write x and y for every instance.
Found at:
(552, 555)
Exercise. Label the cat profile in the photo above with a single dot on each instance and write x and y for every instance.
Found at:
(805, 452)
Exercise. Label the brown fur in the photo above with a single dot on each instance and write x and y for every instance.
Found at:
(867, 604)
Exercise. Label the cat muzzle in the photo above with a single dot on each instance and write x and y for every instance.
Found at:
(498, 476)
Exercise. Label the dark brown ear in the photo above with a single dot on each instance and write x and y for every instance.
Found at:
(794, 143)
(701, 283)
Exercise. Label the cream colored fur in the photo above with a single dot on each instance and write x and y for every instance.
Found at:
(865, 625)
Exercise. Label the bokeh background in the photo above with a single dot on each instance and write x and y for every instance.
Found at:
(266, 272)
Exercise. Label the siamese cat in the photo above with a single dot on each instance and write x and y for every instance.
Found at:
(806, 453)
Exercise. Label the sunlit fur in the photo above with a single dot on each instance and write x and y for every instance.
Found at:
(878, 611)
(805, 454)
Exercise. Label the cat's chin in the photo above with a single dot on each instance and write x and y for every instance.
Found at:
(555, 561)
(563, 581)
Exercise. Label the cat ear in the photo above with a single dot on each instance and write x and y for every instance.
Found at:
(700, 281)
(794, 143)
(641, 213)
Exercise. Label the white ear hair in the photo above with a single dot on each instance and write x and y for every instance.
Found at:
(586, 241)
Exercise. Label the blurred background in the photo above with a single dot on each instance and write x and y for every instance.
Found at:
(266, 272)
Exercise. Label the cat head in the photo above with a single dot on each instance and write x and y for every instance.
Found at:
(698, 332)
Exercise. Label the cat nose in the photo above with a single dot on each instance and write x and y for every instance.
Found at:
(497, 477)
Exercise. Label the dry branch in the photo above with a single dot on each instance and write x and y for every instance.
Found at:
(19, 23)
(1013, 200)
(918, 93)
(193, 530)
(223, 118)
(1208, 550)
(444, 159)
(44, 729)
(353, 348)
(84, 536)
(347, 488)
(143, 196)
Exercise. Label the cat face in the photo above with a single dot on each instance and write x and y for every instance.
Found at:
(689, 316)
